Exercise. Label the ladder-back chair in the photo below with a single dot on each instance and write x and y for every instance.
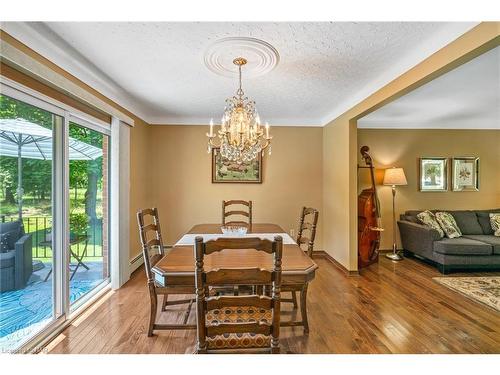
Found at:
(246, 213)
(307, 226)
(152, 251)
(308, 223)
(245, 323)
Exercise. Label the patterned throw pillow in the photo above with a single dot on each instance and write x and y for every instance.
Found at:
(449, 225)
(4, 242)
(495, 223)
(429, 219)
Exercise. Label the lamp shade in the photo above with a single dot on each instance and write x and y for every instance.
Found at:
(395, 176)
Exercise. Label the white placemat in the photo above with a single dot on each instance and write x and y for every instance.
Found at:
(188, 239)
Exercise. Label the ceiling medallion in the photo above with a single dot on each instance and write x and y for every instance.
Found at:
(261, 56)
(241, 137)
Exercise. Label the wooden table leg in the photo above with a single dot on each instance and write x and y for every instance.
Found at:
(303, 307)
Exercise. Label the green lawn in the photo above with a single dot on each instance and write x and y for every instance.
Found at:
(37, 220)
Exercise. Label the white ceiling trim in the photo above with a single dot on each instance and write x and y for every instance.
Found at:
(424, 50)
(49, 45)
(408, 125)
(44, 41)
(162, 121)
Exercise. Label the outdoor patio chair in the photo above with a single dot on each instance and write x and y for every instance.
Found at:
(16, 256)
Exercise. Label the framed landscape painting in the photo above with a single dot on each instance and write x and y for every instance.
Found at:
(466, 174)
(224, 171)
(433, 174)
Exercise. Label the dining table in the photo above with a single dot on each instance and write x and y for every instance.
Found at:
(177, 267)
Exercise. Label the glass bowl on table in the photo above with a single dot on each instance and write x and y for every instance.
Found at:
(234, 230)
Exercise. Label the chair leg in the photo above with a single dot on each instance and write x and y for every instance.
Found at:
(152, 316)
(294, 298)
(164, 302)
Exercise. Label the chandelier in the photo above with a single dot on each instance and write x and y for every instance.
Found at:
(241, 136)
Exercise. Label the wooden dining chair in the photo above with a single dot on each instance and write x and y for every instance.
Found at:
(307, 226)
(152, 252)
(308, 223)
(244, 323)
(246, 213)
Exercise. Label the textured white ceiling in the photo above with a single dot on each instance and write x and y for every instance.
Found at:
(468, 97)
(156, 70)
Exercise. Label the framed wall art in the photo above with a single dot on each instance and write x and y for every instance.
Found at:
(433, 174)
(465, 173)
(224, 171)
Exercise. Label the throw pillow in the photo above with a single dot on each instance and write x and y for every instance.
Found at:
(4, 242)
(495, 223)
(449, 225)
(13, 237)
(429, 219)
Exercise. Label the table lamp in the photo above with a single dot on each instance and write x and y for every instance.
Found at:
(394, 177)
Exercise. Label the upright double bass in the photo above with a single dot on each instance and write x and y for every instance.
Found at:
(368, 218)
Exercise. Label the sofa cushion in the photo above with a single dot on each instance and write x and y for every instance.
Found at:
(489, 239)
(467, 222)
(483, 217)
(462, 246)
(7, 259)
(411, 219)
(484, 221)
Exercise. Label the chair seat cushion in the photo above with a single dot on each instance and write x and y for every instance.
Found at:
(7, 259)
(238, 341)
(462, 246)
(492, 240)
(238, 314)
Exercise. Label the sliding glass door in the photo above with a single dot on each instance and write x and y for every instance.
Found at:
(27, 301)
(88, 212)
(54, 222)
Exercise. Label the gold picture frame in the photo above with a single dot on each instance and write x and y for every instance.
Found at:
(224, 171)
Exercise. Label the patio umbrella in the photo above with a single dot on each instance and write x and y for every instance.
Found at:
(23, 139)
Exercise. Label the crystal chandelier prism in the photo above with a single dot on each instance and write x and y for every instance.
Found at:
(241, 136)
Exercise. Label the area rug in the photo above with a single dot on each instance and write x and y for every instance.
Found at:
(481, 289)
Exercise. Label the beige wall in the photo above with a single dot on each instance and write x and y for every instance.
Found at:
(340, 139)
(403, 148)
(180, 184)
(139, 177)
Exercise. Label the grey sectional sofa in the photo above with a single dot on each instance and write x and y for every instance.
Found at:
(477, 249)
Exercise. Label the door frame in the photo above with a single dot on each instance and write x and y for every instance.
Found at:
(119, 269)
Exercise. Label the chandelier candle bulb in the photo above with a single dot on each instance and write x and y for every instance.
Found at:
(211, 128)
(267, 130)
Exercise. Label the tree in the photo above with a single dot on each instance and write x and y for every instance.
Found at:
(36, 173)
(93, 167)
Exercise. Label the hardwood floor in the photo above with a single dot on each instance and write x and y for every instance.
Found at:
(389, 308)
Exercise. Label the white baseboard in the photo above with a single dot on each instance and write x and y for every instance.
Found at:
(136, 262)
